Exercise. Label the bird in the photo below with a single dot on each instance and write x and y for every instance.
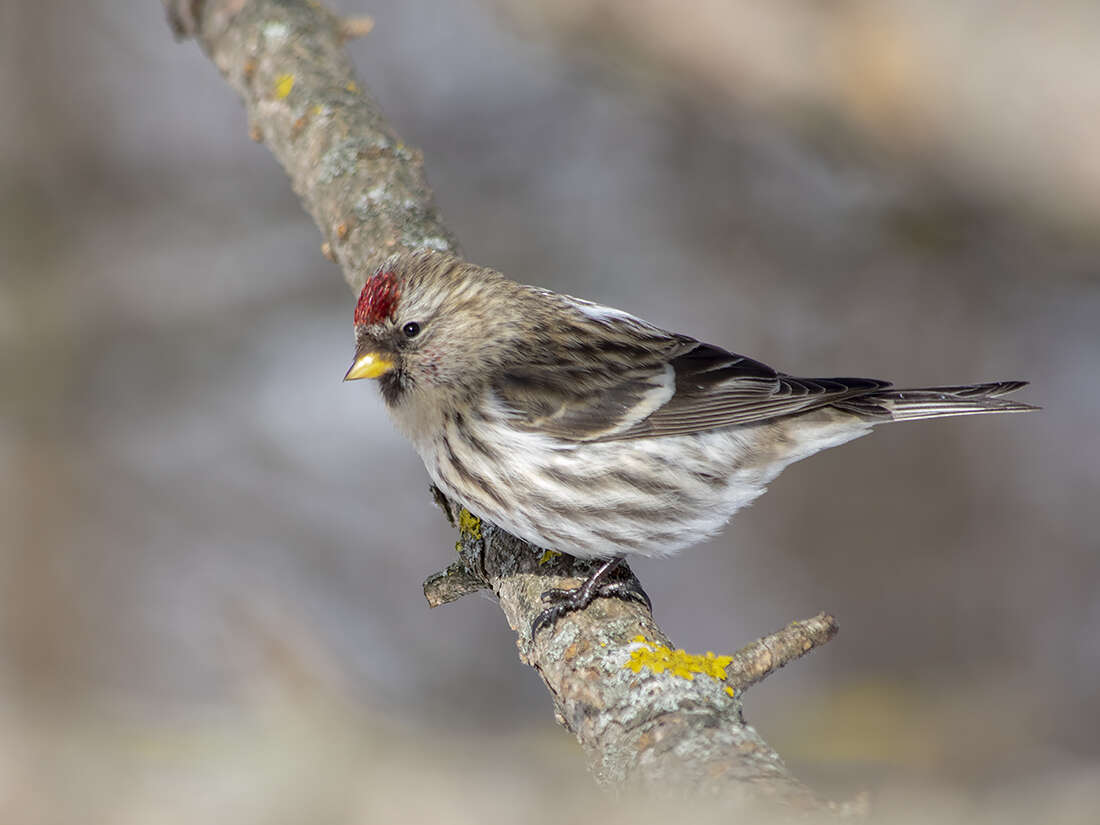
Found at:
(586, 430)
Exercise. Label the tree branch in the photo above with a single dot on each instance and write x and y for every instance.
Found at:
(643, 712)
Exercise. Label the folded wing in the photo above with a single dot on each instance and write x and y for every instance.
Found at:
(611, 376)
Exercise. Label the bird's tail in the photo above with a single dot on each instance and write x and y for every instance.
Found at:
(937, 402)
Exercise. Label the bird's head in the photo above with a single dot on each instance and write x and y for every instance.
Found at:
(427, 320)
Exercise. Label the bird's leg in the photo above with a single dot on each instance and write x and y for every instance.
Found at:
(598, 585)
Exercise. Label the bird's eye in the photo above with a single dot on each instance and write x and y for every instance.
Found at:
(411, 329)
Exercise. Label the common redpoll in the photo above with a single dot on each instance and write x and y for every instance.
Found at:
(586, 430)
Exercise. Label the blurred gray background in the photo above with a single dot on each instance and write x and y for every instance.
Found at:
(212, 550)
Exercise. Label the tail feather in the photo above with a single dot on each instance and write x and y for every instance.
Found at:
(937, 402)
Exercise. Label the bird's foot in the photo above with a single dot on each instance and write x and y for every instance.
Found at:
(598, 585)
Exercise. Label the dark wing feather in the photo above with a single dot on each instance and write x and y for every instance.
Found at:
(605, 393)
(635, 381)
(716, 388)
(588, 409)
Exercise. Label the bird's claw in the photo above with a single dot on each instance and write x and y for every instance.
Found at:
(563, 601)
(629, 591)
(549, 617)
(557, 594)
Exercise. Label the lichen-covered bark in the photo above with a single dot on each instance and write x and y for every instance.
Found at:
(659, 730)
(677, 728)
(364, 188)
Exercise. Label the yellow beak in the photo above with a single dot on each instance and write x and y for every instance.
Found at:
(368, 365)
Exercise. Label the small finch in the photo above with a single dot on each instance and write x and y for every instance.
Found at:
(586, 430)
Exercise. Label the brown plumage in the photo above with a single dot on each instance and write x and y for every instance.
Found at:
(587, 430)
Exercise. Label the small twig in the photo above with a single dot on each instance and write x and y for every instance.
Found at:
(452, 584)
(758, 660)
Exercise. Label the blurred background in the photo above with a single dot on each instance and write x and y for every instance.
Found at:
(211, 550)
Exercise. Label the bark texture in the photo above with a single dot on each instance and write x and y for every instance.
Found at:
(645, 714)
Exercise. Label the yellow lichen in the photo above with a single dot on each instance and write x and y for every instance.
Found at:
(728, 690)
(352, 86)
(283, 84)
(469, 524)
(660, 658)
(548, 556)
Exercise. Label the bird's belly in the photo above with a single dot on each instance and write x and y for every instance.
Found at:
(649, 497)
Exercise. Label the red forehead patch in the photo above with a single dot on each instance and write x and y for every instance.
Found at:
(378, 300)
